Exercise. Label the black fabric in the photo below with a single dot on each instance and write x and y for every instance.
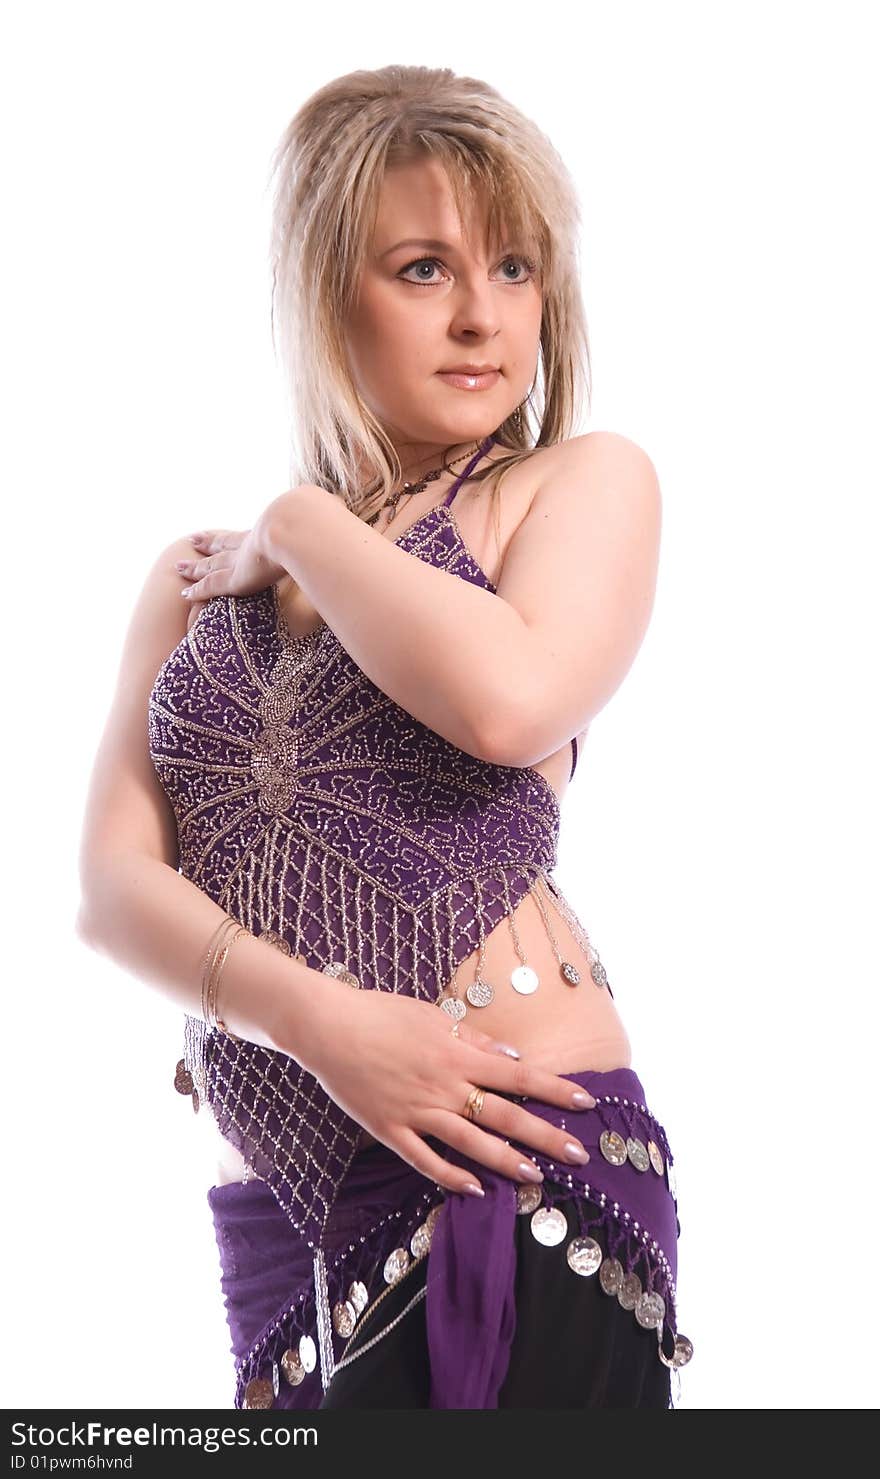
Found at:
(574, 1346)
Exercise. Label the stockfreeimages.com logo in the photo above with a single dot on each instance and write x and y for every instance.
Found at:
(97, 1435)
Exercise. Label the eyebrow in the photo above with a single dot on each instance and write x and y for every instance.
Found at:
(423, 241)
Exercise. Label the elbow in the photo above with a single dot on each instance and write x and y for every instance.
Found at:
(506, 734)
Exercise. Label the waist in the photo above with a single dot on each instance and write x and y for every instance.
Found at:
(626, 1192)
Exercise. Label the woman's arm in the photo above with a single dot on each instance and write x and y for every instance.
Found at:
(135, 906)
(507, 677)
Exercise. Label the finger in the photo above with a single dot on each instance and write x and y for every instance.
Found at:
(212, 540)
(483, 1139)
(412, 1149)
(198, 568)
(517, 1076)
(200, 590)
(478, 1039)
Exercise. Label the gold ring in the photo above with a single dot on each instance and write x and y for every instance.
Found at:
(474, 1104)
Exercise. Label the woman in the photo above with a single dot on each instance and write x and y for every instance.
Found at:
(359, 735)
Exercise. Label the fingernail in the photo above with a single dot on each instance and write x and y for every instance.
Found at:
(200, 535)
(530, 1171)
(580, 1100)
(511, 1052)
(576, 1152)
(185, 591)
(473, 1189)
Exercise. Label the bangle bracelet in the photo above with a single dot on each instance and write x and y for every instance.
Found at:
(214, 981)
(215, 945)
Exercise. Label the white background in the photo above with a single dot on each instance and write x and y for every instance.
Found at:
(720, 838)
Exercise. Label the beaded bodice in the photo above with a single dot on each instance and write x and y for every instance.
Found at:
(339, 828)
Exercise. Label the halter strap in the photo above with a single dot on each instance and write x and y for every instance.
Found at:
(468, 470)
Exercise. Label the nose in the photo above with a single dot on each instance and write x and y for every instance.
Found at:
(475, 308)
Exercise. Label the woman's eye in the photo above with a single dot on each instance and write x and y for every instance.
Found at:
(422, 278)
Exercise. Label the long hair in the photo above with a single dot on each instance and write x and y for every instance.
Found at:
(327, 171)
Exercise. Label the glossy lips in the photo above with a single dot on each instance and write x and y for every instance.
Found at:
(464, 381)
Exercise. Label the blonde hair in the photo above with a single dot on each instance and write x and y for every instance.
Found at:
(327, 169)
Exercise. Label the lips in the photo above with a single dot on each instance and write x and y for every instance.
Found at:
(469, 380)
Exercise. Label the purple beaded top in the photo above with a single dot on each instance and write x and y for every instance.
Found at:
(339, 828)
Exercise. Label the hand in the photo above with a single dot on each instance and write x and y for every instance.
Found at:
(392, 1063)
(232, 563)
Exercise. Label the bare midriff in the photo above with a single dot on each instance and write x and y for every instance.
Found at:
(562, 1028)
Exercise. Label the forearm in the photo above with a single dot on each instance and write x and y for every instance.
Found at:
(450, 653)
(156, 924)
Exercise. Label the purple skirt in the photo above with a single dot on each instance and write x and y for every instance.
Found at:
(295, 1312)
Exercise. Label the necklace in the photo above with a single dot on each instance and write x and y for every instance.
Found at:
(410, 488)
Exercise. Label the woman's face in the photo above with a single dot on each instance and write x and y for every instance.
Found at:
(470, 304)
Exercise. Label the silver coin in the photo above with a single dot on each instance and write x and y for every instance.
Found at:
(630, 1291)
(683, 1351)
(613, 1147)
(358, 1296)
(432, 1216)
(656, 1157)
(570, 973)
(452, 1006)
(638, 1154)
(307, 1352)
(480, 993)
(344, 1317)
(528, 1197)
(338, 969)
(597, 971)
(649, 1311)
(258, 1393)
(549, 1226)
(276, 1384)
(524, 980)
(396, 1265)
(670, 1177)
(272, 937)
(292, 1368)
(584, 1255)
(420, 1242)
(611, 1275)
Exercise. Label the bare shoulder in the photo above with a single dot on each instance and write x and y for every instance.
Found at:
(167, 583)
(604, 455)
